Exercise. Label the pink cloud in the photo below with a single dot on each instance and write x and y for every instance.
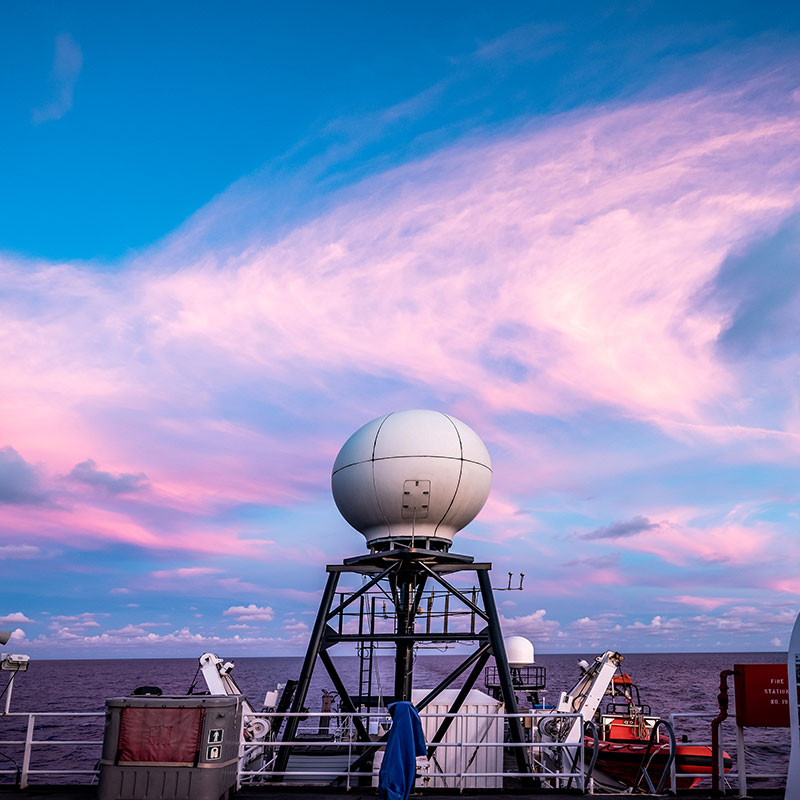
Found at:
(684, 545)
(549, 271)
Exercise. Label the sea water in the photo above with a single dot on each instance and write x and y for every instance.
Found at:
(668, 682)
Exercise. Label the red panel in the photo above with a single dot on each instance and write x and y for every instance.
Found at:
(762, 695)
(169, 735)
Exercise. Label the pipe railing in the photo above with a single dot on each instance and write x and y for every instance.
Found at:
(724, 776)
(23, 771)
(460, 751)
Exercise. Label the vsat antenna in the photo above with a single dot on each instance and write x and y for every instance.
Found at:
(408, 482)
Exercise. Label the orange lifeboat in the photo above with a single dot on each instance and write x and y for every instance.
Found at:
(625, 732)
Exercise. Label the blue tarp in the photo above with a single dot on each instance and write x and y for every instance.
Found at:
(406, 741)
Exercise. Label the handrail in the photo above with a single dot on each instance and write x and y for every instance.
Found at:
(716, 751)
(588, 779)
(751, 746)
(24, 771)
(649, 753)
(458, 768)
(458, 765)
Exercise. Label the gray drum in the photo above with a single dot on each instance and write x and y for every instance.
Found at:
(170, 748)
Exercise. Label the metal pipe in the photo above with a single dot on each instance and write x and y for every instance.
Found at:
(404, 649)
(722, 701)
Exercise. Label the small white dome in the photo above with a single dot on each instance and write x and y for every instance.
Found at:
(519, 651)
(411, 473)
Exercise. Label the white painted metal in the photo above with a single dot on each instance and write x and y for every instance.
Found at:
(793, 666)
(218, 678)
(583, 699)
(466, 727)
(741, 765)
(14, 663)
(399, 453)
(519, 651)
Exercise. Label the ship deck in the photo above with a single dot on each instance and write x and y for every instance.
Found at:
(264, 793)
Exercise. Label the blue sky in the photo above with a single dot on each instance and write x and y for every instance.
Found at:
(229, 237)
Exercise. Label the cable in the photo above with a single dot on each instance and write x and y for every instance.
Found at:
(5, 689)
(194, 680)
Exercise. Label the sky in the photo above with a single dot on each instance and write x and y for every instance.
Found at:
(229, 237)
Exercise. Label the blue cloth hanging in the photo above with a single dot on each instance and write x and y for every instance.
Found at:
(406, 741)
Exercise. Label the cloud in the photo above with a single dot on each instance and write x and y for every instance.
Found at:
(123, 483)
(534, 626)
(18, 551)
(67, 64)
(618, 530)
(545, 283)
(16, 616)
(704, 603)
(759, 286)
(86, 616)
(527, 42)
(20, 482)
(185, 572)
(250, 613)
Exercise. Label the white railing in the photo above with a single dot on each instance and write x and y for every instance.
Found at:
(737, 774)
(458, 760)
(463, 759)
(24, 771)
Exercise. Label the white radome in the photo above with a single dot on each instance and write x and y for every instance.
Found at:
(519, 651)
(412, 474)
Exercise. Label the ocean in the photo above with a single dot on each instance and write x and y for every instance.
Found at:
(668, 682)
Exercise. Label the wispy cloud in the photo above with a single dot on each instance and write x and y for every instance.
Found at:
(250, 613)
(617, 530)
(67, 65)
(556, 286)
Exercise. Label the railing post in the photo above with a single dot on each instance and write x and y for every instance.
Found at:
(349, 756)
(673, 768)
(741, 764)
(240, 763)
(26, 756)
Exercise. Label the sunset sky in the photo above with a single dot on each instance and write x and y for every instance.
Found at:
(232, 235)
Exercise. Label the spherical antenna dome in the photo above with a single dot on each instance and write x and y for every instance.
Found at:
(412, 475)
(519, 651)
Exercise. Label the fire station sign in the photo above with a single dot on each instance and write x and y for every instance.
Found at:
(762, 695)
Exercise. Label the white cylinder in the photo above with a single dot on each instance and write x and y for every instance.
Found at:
(519, 651)
(410, 474)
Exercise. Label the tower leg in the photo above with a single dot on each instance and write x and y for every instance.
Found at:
(304, 681)
(404, 658)
(503, 670)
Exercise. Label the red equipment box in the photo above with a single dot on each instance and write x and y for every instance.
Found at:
(762, 695)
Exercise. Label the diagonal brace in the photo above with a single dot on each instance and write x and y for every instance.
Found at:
(450, 588)
(365, 588)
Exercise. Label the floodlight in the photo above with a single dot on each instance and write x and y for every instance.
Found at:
(14, 662)
(5, 636)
